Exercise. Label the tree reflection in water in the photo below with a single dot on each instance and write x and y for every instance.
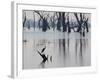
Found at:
(63, 52)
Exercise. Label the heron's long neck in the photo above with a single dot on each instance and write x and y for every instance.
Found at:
(39, 53)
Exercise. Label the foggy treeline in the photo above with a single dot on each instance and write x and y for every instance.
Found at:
(57, 21)
(56, 39)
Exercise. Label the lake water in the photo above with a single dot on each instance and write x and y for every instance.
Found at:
(62, 49)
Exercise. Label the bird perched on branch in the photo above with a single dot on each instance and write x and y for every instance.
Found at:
(44, 57)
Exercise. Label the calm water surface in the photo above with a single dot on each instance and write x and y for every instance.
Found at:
(62, 49)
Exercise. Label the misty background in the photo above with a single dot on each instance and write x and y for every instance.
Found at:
(64, 38)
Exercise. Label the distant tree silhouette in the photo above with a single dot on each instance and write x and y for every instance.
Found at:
(28, 24)
(68, 24)
(34, 20)
(39, 22)
(79, 21)
(63, 21)
(59, 21)
(82, 23)
(53, 21)
(24, 20)
(86, 24)
(45, 24)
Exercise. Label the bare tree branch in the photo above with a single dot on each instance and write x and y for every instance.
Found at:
(39, 14)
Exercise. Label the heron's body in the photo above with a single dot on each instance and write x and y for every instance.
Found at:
(43, 55)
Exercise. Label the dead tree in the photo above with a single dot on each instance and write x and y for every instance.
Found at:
(82, 23)
(79, 21)
(68, 24)
(59, 20)
(86, 24)
(39, 22)
(34, 20)
(28, 22)
(24, 21)
(45, 24)
(53, 21)
(63, 22)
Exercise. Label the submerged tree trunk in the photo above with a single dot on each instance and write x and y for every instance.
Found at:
(86, 24)
(63, 22)
(34, 21)
(78, 21)
(59, 22)
(68, 25)
(39, 21)
(28, 24)
(45, 24)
